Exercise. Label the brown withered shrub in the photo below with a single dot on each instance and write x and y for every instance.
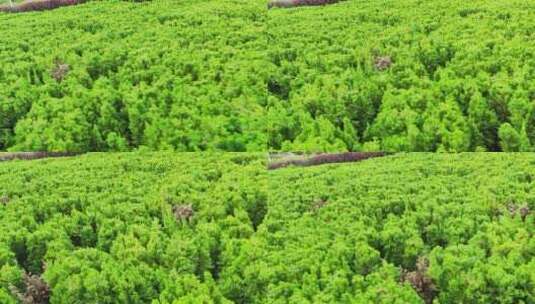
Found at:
(36, 290)
(60, 70)
(318, 204)
(420, 280)
(382, 62)
(515, 209)
(524, 212)
(183, 212)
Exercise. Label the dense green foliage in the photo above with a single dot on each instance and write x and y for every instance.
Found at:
(104, 227)
(343, 233)
(190, 75)
(407, 75)
(115, 75)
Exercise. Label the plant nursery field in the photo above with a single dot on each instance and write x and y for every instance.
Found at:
(117, 75)
(127, 228)
(231, 75)
(410, 75)
(220, 228)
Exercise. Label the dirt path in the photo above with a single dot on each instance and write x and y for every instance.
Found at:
(33, 155)
(37, 5)
(295, 3)
(319, 159)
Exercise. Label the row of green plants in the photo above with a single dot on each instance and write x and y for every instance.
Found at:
(119, 75)
(220, 228)
(402, 76)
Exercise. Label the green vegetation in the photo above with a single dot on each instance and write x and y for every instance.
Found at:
(128, 228)
(229, 75)
(116, 75)
(218, 228)
(355, 233)
(406, 75)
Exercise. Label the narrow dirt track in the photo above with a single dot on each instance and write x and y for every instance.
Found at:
(38, 5)
(33, 155)
(325, 158)
(295, 3)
